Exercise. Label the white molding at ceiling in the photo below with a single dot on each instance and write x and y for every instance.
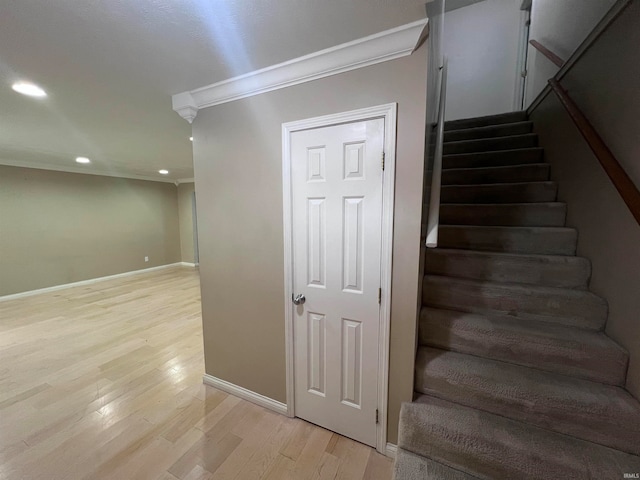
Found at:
(85, 171)
(185, 180)
(380, 47)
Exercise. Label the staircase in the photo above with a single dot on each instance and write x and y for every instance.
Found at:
(514, 376)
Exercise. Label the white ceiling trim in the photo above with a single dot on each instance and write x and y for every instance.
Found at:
(71, 169)
(380, 47)
(185, 180)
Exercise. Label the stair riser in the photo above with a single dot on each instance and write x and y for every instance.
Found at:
(503, 448)
(491, 144)
(493, 159)
(602, 362)
(555, 271)
(562, 308)
(492, 131)
(544, 400)
(519, 174)
(506, 215)
(508, 193)
(409, 466)
(499, 119)
(512, 240)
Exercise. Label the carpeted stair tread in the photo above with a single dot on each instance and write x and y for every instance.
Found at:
(489, 131)
(490, 446)
(533, 172)
(510, 142)
(500, 158)
(554, 348)
(516, 377)
(538, 240)
(498, 119)
(410, 466)
(544, 214)
(601, 414)
(523, 192)
(561, 271)
(564, 306)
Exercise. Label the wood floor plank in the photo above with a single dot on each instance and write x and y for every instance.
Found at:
(379, 467)
(104, 382)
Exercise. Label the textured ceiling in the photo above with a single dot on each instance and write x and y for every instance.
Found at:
(111, 66)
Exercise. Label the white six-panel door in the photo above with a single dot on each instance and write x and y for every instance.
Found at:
(336, 175)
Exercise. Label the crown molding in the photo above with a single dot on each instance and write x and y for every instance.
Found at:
(380, 47)
(84, 171)
(185, 180)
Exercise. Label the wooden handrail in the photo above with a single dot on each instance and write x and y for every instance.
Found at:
(547, 53)
(625, 186)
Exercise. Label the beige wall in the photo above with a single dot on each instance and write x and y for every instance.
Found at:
(58, 228)
(604, 83)
(481, 42)
(561, 26)
(185, 215)
(238, 168)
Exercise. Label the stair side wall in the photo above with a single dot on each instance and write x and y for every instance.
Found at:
(608, 234)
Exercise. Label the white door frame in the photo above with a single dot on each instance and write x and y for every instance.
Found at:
(387, 112)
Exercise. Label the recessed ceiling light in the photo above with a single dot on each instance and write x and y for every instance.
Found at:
(191, 138)
(163, 172)
(83, 160)
(30, 89)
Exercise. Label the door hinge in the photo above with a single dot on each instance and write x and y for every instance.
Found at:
(382, 161)
(380, 296)
(377, 416)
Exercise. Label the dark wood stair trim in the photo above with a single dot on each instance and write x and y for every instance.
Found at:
(547, 53)
(623, 183)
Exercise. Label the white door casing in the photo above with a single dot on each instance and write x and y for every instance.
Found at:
(338, 229)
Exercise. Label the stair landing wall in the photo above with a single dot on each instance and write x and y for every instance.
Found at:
(608, 234)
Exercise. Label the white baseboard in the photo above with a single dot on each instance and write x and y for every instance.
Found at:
(391, 450)
(245, 394)
(86, 282)
(187, 264)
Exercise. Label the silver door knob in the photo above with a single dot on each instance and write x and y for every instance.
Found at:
(298, 299)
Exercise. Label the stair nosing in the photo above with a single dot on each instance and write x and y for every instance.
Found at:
(495, 125)
(535, 325)
(457, 121)
(519, 165)
(493, 139)
(489, 152)
(514, 285)
(504, 254)
(585, 385)
(475, 185)
(510, 204)
(517, 365)
(571, 229)
(528, 425)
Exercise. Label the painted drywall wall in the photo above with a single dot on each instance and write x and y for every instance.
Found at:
(561, 27)
(58, 228)
(238, 171)
(185, 218)
(604, 84)
(436, 14)
(481, 42)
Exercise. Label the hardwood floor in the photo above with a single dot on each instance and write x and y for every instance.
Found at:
(105, 382)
